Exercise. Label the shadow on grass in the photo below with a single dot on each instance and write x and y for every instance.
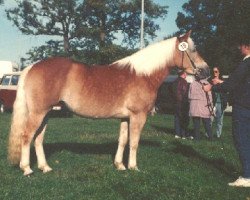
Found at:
(219, 163)
(78, 148)
(164, 129)
(90, 148)
(81, 148)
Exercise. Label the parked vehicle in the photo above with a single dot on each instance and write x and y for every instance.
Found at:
(7, 67)
(8, 89)
(165, 102)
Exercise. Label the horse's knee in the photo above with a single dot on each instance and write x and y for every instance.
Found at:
(133, 146)
(134, 141)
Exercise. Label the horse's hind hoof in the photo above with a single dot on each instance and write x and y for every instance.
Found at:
(135, 168)
(45, 169)
(28, 172)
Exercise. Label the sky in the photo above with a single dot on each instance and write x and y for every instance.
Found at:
(14, 44)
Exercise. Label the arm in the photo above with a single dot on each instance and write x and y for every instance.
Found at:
(233, 81)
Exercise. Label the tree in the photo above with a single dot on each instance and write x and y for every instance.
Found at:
(216, 25)
(44, 17)
(105, 19)
(110, 17)
(51, 48)
(87, 25)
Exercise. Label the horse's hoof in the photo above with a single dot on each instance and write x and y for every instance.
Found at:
(45, 169)
(28, 172)
(120, 166)
(135, 168)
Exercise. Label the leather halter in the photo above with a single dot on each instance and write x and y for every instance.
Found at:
(195, 68)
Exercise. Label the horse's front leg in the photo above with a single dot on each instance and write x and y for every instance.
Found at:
(123, 139)
(135, 127)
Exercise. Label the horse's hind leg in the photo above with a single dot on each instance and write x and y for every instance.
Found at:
(33, 123)
(41, 160)
(123, 139)
(135, 127)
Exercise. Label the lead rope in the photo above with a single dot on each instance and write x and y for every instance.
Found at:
(209, 103)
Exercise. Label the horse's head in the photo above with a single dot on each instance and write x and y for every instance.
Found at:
(187, 58)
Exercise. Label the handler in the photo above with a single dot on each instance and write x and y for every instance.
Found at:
(238, 85)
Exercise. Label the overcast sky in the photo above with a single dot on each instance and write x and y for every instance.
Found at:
(14, 45)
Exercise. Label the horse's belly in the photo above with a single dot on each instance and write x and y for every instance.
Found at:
(102, 110)
(99, 114)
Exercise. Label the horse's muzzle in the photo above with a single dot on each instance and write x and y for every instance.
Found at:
(202, 73)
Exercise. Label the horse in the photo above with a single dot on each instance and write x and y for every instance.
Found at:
(125, 89)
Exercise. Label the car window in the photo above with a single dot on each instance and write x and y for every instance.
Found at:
(6, 80)
(14, 79)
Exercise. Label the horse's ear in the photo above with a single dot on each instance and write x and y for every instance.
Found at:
(185, 36)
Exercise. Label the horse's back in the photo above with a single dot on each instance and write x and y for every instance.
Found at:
(52, 67)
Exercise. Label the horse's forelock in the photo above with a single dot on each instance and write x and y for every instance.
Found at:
(151, 58)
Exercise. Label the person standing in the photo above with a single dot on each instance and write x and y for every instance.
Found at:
(238, 85)
(219, 102)
(181, 118)
(200, 104)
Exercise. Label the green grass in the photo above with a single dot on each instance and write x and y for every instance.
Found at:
(81, 153)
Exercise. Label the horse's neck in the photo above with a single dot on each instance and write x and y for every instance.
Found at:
(158, 77)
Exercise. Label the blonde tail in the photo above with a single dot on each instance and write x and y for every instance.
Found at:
(19, 117)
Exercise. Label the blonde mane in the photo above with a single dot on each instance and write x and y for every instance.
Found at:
(151, 58)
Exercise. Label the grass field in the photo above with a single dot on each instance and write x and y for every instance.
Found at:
(81, 153)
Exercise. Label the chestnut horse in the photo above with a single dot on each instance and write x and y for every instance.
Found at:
(125, 89)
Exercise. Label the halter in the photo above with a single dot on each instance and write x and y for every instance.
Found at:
(183, 46)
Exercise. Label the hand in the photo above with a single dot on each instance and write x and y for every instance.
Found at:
(207, 87)
(216, 81)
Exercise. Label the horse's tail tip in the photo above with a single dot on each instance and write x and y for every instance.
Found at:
(13, 159)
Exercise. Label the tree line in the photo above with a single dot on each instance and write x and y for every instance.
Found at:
(86, 30)
(217, 26)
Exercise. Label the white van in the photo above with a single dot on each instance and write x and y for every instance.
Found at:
(7, 67)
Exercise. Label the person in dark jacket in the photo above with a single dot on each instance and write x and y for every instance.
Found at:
(181, 121)
(238, 85)
(219, 102)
